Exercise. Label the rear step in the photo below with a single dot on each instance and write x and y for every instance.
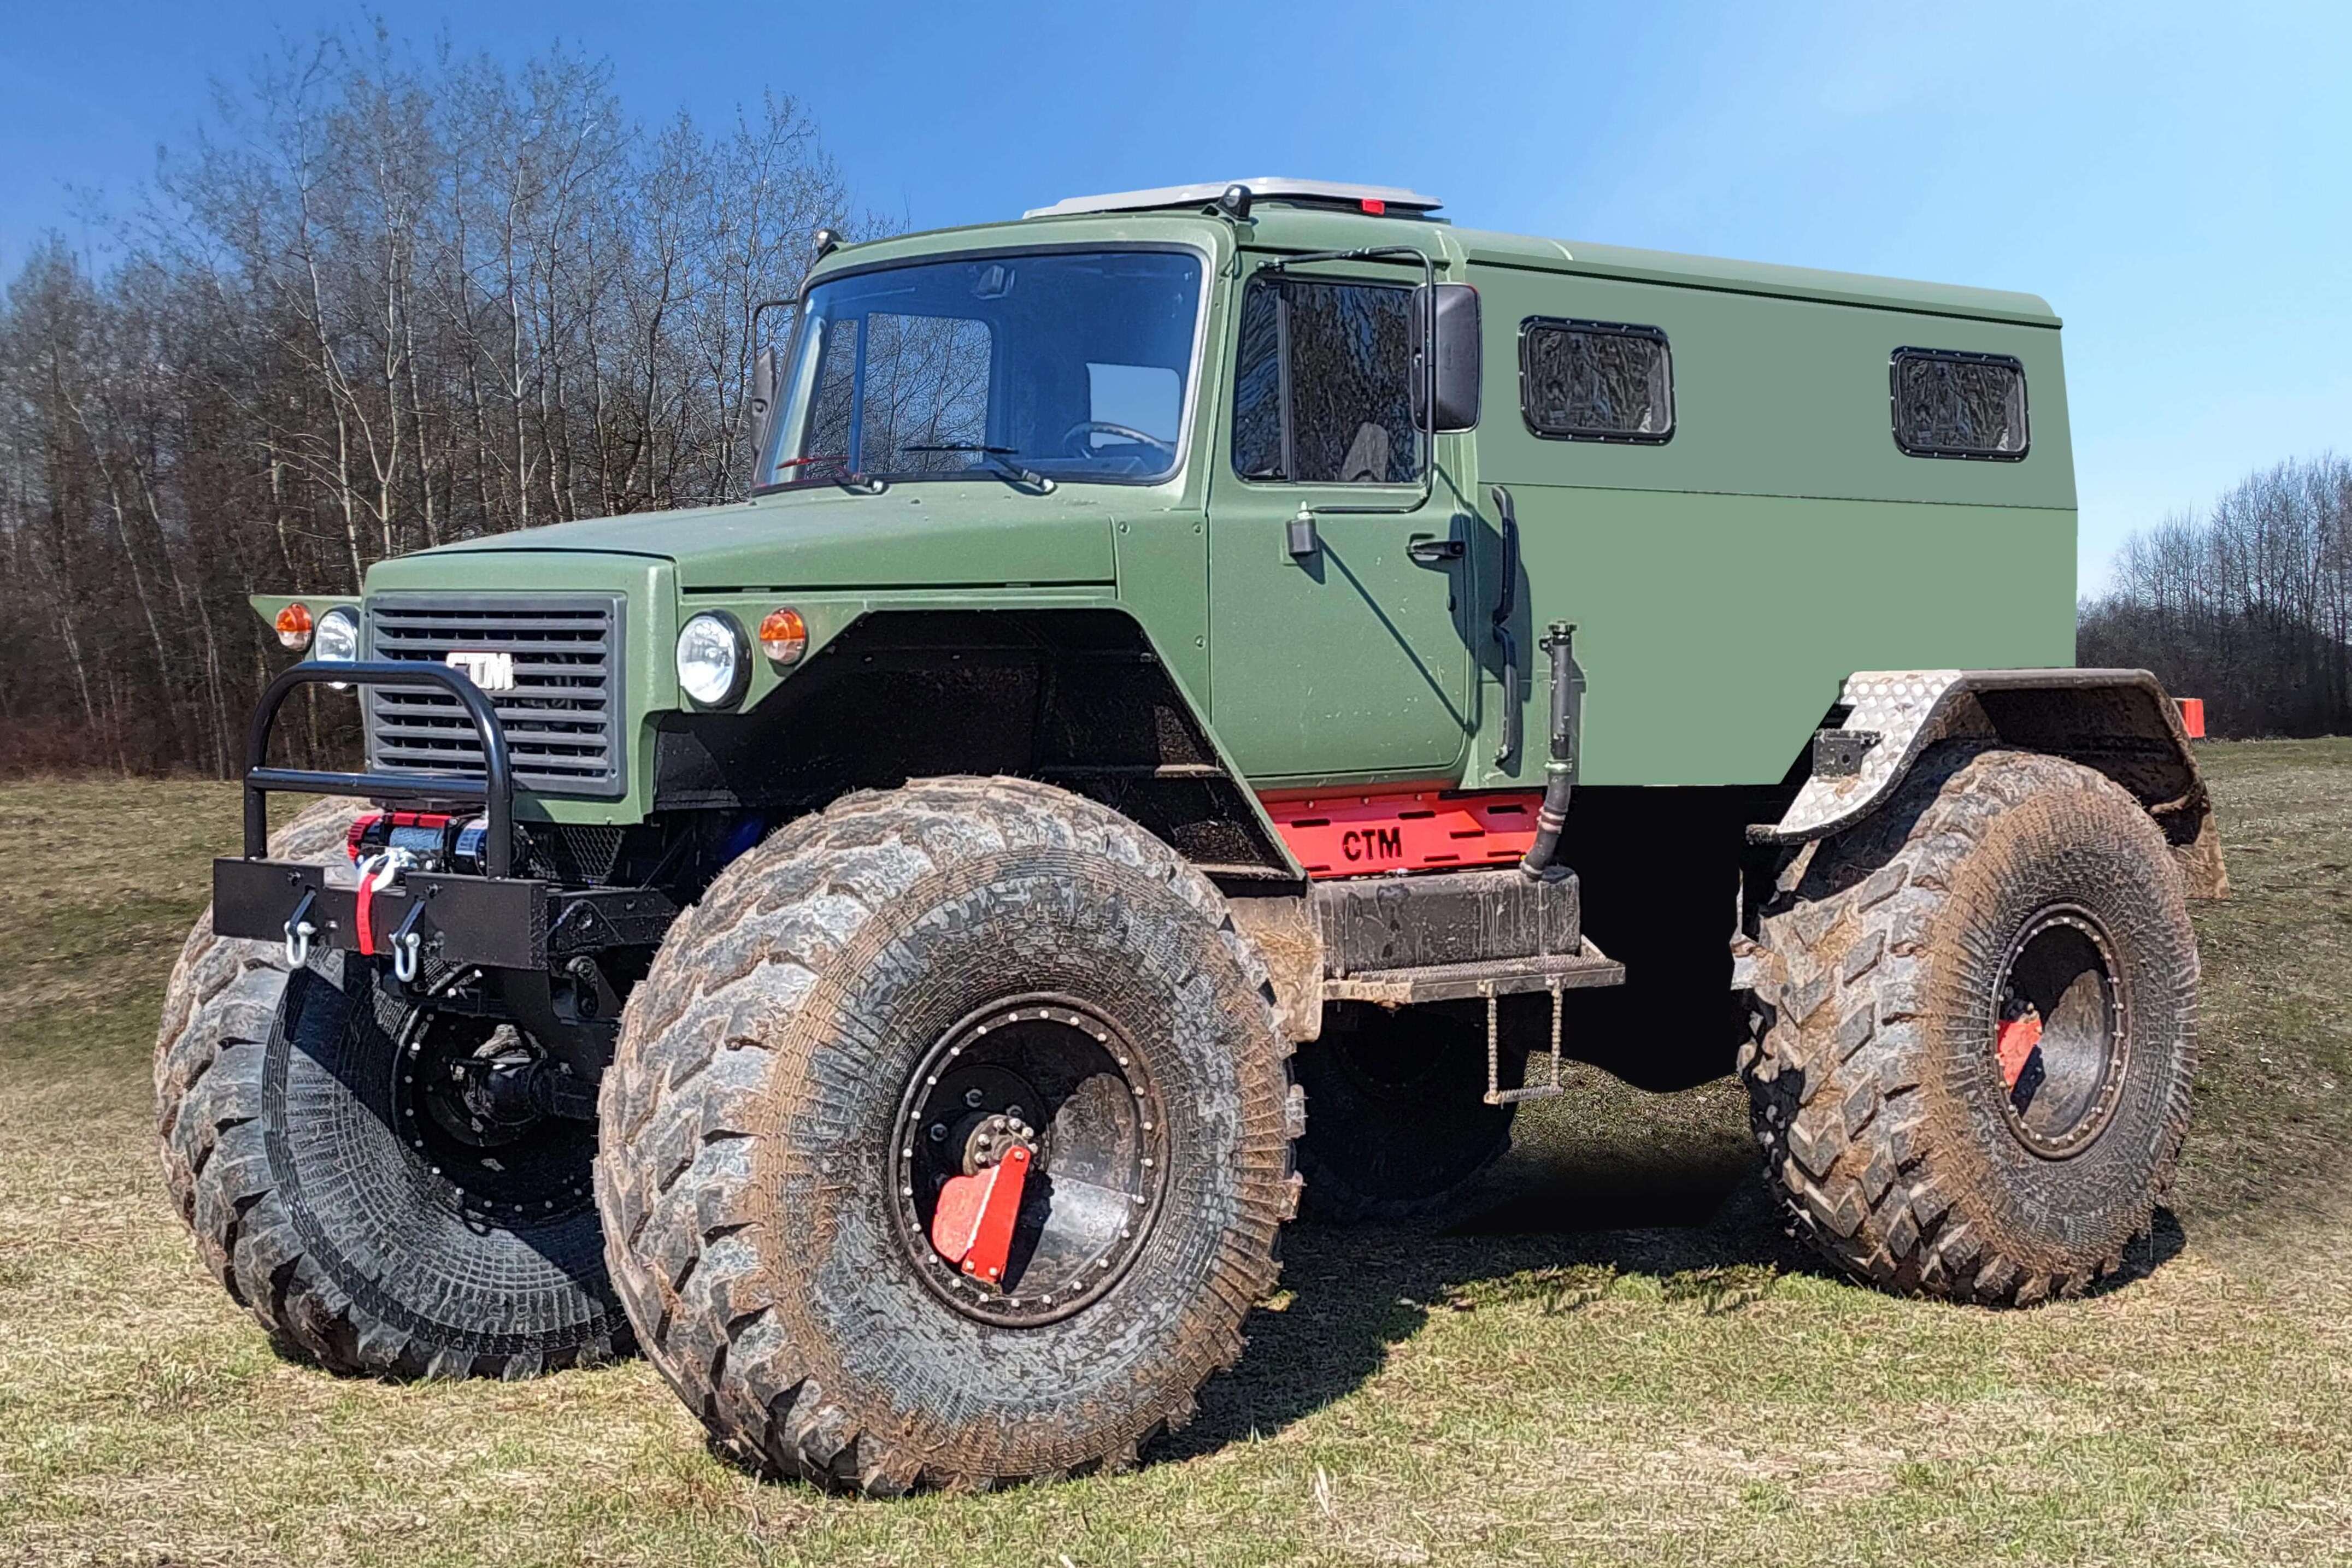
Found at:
(1586, 968)
(1455, 935)
(1449, 935)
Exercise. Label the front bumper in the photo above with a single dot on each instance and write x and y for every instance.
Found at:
(458, 922)
(493, 921)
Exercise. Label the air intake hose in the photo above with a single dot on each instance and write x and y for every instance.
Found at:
(1559, 770)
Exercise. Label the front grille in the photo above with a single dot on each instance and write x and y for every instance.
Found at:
(563, 719)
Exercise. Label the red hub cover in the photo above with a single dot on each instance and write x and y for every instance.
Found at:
(973, 1226)
(2015, 1044)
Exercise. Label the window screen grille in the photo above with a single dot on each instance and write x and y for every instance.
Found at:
(1951, 405)
(1596, 380)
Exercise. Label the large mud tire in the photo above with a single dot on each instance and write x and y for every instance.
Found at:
(1400, 1133)
(1876, 1091)
(750, 1121)
(276, 1102)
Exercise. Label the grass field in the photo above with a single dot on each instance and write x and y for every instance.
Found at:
(1626, 1365)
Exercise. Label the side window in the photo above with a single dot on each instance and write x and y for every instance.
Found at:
(1148, 398)
(1952, 404)
(1595, 381)
(1323, 382)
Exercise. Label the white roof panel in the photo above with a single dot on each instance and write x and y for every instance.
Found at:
(1267, 188)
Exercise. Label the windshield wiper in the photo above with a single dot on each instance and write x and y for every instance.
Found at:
(856, 483)
(1003, 459)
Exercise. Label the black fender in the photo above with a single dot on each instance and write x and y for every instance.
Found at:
(1078, 697)
(2120, 722)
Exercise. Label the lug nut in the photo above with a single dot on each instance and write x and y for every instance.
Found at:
(971, 1097)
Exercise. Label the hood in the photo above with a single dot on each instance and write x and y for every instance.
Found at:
(931, 534)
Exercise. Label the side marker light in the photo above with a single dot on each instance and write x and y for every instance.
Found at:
(783, 636)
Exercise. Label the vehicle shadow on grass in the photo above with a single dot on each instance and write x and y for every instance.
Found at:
(1559, 1225)
(1700, 1220)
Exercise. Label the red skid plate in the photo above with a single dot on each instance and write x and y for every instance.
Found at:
(1422, 830)
(973, 1226)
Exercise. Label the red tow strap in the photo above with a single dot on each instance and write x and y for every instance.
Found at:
(973, 1226)
(362, 904)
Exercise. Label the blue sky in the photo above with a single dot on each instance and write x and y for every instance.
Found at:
(2176, 179)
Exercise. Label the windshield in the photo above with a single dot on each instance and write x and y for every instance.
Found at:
(1061, 366)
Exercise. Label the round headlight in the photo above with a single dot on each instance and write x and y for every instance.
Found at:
(337, 640)
(713, 664)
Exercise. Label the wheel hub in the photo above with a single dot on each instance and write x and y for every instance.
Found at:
(1038, 1113)
(464, 1109)
(2061, 1035)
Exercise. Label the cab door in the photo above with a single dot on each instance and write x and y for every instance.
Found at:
(1347, 660)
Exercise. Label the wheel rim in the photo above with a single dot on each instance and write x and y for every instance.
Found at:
(2060, 1034)
(513, 1168)
(1099, 1175)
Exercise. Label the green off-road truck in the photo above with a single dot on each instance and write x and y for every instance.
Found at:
(897, 950)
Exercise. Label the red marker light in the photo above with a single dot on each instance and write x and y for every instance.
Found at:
(1375, 207)
(783, 636)
(294, 626)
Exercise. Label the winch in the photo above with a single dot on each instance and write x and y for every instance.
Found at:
(429, 840)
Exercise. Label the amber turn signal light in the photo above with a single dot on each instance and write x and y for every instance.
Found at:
(294, 626)
(783, 636)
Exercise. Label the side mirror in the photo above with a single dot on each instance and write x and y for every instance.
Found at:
(1451, 313)
(762, 401)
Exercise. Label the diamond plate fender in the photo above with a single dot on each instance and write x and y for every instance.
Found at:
(2117, 721)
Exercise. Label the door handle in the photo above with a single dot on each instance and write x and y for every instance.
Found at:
(1507, 745)
(1431, 550)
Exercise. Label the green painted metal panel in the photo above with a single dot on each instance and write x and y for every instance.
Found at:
(1772, 397)
(268, 605)
(1354, 663)
(1723, 581)
(1714, 631)
(917, 535)
(648, 642)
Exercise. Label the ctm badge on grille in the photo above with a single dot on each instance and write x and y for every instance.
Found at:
(490, 670)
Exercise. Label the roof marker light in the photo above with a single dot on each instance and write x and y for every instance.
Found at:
(1375, 207)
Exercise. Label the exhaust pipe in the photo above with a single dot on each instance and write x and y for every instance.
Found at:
(1559, 770)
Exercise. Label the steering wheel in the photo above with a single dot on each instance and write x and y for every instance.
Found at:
(1086, 427)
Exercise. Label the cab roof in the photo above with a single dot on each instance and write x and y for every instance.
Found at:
(1298, 215)
(1375, 200)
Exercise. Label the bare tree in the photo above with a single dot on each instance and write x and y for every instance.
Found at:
(385, 300)
(2248, 607)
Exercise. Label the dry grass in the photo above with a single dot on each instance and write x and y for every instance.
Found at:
(1563, 1388)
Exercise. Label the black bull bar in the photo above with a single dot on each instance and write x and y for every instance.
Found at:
(496, 920)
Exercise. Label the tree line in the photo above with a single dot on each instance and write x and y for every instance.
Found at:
(386, 300)
(2248, 606)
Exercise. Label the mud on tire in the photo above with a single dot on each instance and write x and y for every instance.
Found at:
(752, 1120)
(1889, 1120)
(277, 1097)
